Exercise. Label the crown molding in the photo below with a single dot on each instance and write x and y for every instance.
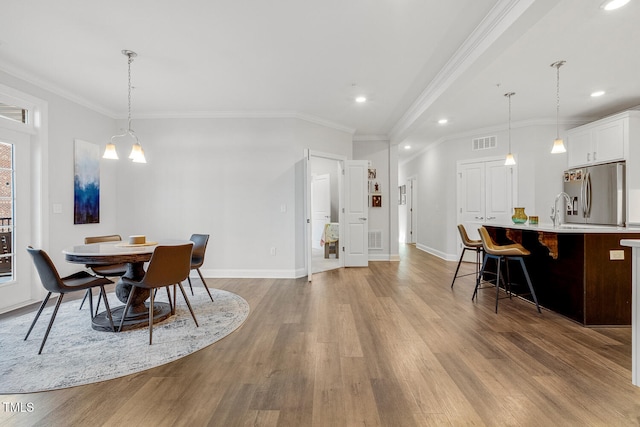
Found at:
(246, 114)
(497, 21)
(55, 89)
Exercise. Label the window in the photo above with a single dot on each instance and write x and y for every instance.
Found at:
(6, 212)
(14, 113)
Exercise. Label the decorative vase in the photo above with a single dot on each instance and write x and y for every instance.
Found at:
(519, 217)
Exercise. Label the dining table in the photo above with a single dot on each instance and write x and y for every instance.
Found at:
(134, 256)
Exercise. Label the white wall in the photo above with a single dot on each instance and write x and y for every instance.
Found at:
(229, 178)
(239, 180)
(539, 180)
(384, 158)
(67, 121)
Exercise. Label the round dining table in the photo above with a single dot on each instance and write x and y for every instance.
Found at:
(134, 256)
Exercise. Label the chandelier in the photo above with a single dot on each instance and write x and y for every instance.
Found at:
(137, 154)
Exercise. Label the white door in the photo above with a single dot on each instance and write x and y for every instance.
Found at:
(320, 207)
(485, 194)
(498, 192)
(471, 197)
(356, 235)
(15, 220)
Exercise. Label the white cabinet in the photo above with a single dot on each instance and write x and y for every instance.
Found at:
(611, 139)
(603, 141)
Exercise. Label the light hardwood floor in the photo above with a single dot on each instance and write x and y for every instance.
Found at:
(387, 345)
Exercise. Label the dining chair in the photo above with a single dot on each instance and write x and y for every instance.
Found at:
(169, 265)
(53, 283)
(197, 258)
(111, 270)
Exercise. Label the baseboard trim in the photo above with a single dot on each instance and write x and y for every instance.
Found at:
(435, 252)
(250, 274)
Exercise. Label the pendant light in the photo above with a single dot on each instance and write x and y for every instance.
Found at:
(509, 161)
(558, 144)
(137, 153)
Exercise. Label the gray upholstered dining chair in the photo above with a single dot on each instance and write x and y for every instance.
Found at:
(169, 265)
(111, 270)
(197, 258)
(53, 283)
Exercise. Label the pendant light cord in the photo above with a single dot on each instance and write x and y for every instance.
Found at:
(558, 100)
(558, 64)
(509, 95)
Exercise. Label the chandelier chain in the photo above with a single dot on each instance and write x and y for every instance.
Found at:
(129, 95)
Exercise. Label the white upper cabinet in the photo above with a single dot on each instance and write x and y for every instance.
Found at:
(603, 141)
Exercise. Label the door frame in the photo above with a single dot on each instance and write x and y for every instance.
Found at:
(37, 223)
(308, 154)
(412, 209)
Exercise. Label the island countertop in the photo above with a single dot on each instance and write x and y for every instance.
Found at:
(580, 271)
(569, 228)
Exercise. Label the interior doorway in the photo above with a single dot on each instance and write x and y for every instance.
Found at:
(326, 180)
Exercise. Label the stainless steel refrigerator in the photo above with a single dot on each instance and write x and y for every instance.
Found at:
(597, 194)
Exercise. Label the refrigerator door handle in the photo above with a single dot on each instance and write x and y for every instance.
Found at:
(582, 198)
(587, 192)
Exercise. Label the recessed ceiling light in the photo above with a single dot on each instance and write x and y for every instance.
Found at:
(407, 147)
(361, 99)
(443, 121)
(597, 93)
(614, 4)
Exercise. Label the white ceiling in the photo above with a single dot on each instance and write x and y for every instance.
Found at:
(415, 60)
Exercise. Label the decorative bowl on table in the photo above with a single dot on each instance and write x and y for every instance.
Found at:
(137, 240)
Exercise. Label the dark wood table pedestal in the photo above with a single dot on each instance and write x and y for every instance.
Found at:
(137, 316)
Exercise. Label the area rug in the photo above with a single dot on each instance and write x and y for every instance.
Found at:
(75, 354)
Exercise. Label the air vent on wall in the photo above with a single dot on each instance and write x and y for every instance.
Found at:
(484, 143)
(375, 239)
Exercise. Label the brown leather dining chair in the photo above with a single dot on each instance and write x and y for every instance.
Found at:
(111, 270)
(197, 258)
(53, 283)
(168, 266)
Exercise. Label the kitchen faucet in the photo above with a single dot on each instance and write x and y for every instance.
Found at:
(554, 211)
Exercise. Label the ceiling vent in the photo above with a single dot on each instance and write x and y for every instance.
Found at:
(484, 143)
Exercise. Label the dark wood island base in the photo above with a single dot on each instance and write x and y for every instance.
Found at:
(581, 275)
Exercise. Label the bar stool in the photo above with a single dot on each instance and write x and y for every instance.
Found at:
(513, 252)
(468, 244)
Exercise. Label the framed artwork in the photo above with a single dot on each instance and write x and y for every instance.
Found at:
(376, 201)
(402, 195)
(86, 183)
(372, 173)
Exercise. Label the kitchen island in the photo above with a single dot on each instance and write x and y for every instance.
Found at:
(581, 272)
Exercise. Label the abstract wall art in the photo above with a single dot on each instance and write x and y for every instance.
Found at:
(86, 183)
